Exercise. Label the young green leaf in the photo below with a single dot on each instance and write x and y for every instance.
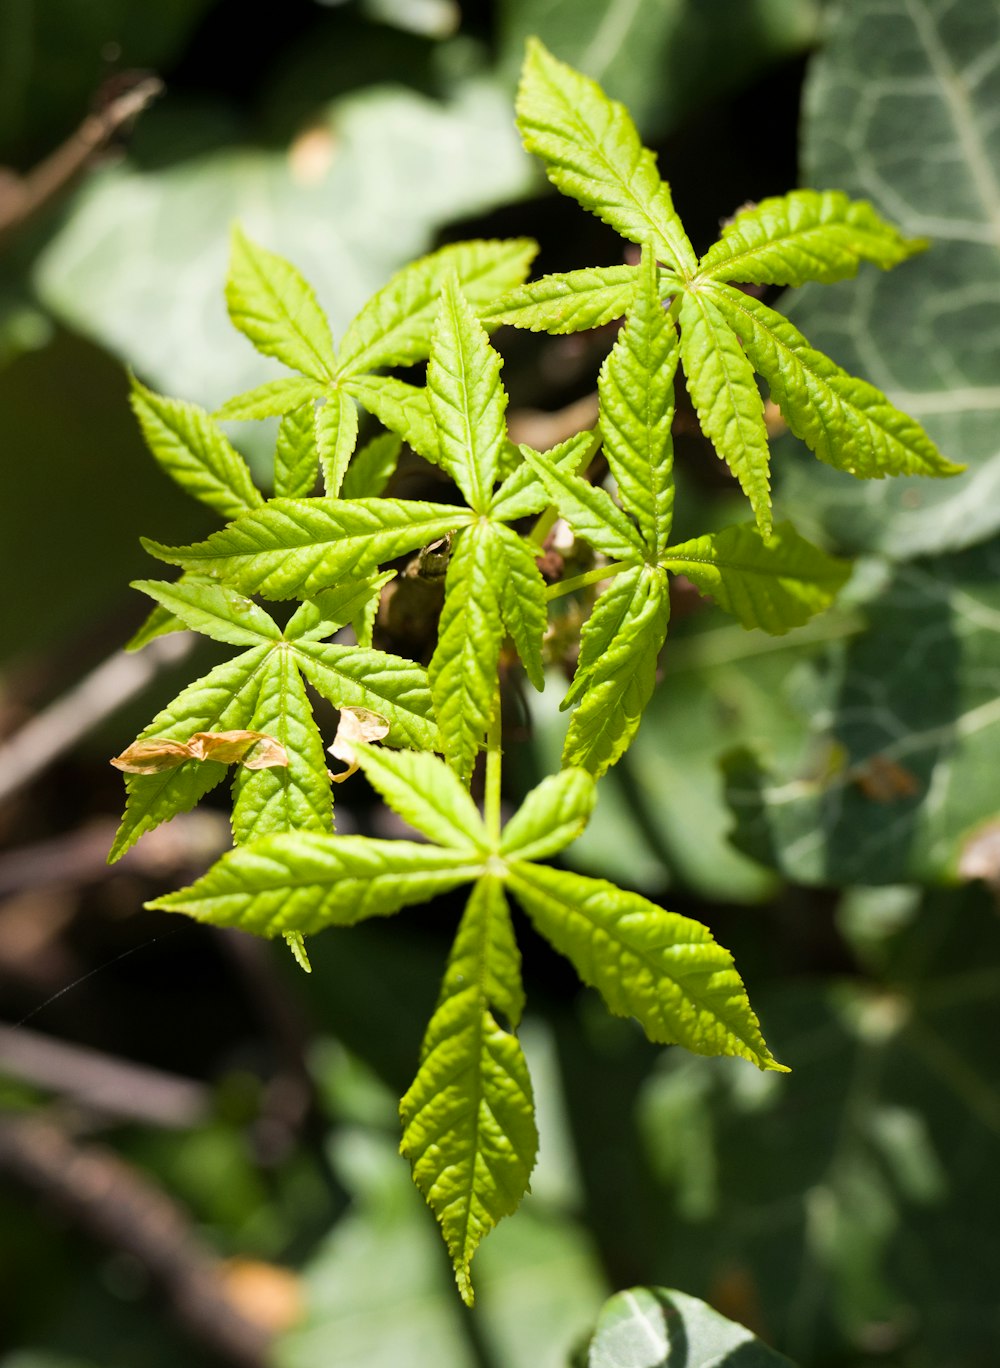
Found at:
(722, 385)
(663, 969)
(467, 399)
(589, 510)
(191, 449)
(403, 409)
(521, 591)
(618, 659)
(426, 793)
(806, 235)
(468, 1118)
(331, 609)
(552, 815)
(394, 327)
(294, 547)
(271, 304)
(773, 583)
(592, 151)
(372, 468)
(522, 492)
(207, 606)
(296, 455)
(848, 423)
(355, 677)
(336, 438)
(271, 400)
(295, 797)
(566, 303)
(636, 388)
(304, 881)
(158, 623)
(463, 668)
(221, 701)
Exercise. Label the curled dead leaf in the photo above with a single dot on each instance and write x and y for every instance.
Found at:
(356, 724)
(152, 757)
(254, 750)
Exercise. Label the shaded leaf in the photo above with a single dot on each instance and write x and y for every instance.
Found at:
(655, 1327)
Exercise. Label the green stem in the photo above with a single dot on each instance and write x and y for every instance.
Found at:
(569, 586)
(491, 795)
(544, 526)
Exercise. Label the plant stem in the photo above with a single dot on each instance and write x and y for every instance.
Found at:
(602, 572)
(491, 795)
(544, 526)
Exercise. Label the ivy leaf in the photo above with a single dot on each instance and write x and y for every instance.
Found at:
(663, 969)
(463, 668)
(294, 547)
(552, 815)
(523, 605)
(592, 151)
(636, 388)
(402, 408)
(590, 511)
(372, 468)
(296, 797)
(207, 606)
(467, 399)
(296, 455)
(271, 400)
(618, 656)
(468, 1118)
(304, 881)
(394, 327)
(222, 700)
(271, 304)
(523, 493)
(336, 438)
(331, 609)
(722, 385)
(188, 445)
(656, 1327)
(848, 423)
(570, 302)
(353, 676)
(805, 235)
(426, 793)
(773, 583)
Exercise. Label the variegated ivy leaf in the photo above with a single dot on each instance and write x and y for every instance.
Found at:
(724, 391)
(336, 438)
(774, 583)
(592, 151)
(188, 445)
(294, 547)
(394, 327)
(523, 493)
(589, 510)
(522, 599)
(271, 304)
(636, 388)
(570, 302)
(270, 400)
(296, 455)
(848, 423)
(468, 401)
(552, 815)
(616, 673)
(805, 235)
(663, 969)
(427, 794)
(468, 1117)
(403, 409)
(372, 468)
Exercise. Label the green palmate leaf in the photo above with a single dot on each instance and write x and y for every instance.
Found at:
(158, 623)
(773, 583)
(336, 438)
(592, 151)
(467, 399)
(271, 304)
(296, 455)
(552, 815)
(566, 303)
(221, 701)
(372, 468)
(463, 668)
(191, 449)
(356, 677)
(394, 327)
(521, 592)
(663, 969)
(403, 409)
(272, 400)
(294, 797)
(305, 881)
(636, 388)
(426, 793)
(468, 1118)
(622, 641)
(805, 235)
(589, 510)
(332, 609)
(294, 547)
(522, 492)
(206, 606)
(845, 421)
(722, 385)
